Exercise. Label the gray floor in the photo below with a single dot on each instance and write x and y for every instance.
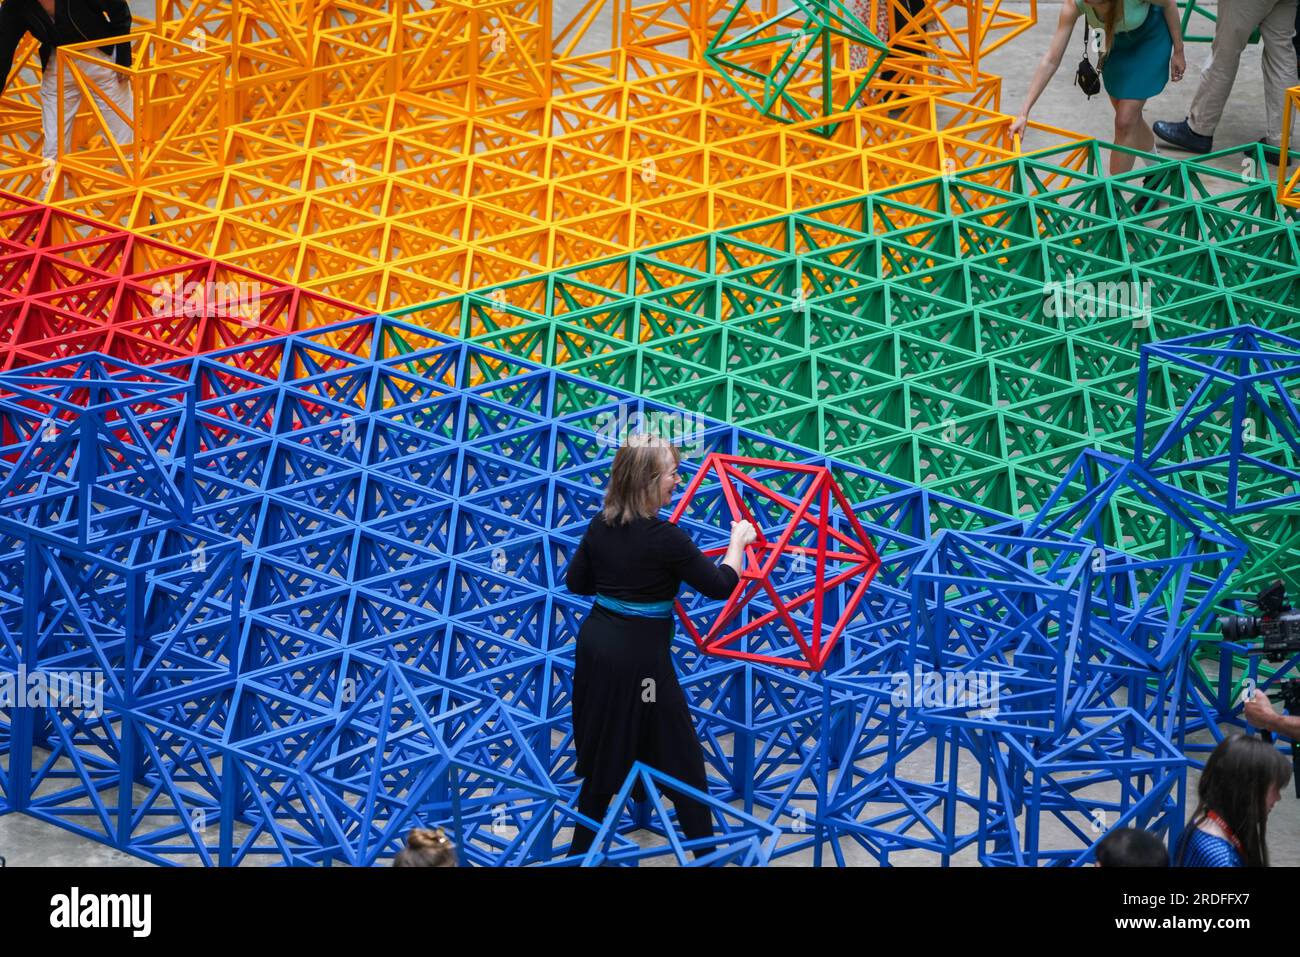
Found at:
(1062, 104)
(27, 842)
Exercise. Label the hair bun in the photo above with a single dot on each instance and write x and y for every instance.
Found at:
(422, 837)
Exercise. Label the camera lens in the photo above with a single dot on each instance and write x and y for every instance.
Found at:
(1239, 627)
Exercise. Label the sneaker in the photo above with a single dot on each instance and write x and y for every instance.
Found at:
(1183, 136)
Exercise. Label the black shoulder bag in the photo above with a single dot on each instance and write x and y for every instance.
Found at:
(1086, 77)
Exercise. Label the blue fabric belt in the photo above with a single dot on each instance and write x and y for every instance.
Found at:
(638, 609)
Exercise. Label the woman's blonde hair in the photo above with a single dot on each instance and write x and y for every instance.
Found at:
(633, 490)
(426, 848)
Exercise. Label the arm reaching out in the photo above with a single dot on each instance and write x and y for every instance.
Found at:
(693, 566)
(742, 533)
(1049, 64)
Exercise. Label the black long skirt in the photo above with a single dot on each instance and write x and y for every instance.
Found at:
(628, 704)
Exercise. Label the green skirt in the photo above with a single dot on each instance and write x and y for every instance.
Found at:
(1138, 65)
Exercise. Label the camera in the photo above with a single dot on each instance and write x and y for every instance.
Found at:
(1290, 695)
(1277, 625)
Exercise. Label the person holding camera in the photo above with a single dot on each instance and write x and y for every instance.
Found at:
(1144, 46)
(1260, 713)
(1277, 625)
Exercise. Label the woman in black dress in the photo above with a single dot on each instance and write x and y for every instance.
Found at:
(627, 703)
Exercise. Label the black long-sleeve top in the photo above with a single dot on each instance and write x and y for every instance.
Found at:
(74, 21)
(645, 560)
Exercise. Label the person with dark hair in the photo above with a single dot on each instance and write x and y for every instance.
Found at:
(1131, 847)
(57, 23)
(627, 702)
(426, 848)
(1242, 780)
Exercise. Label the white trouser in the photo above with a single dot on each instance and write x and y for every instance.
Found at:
(117, 92)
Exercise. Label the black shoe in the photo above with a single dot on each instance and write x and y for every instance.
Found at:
(1145, 204)
(1183, 136)
(1272, 154)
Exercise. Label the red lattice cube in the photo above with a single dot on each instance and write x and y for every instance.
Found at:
(803, 576)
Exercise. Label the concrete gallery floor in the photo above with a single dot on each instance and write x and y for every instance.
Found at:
(25, 841)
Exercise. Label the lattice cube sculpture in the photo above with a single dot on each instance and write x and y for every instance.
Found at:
(803, 576)
(92, 444)
(794, 50)
(1112, 768)
(1235, 443)
(176, 115)
(879, 789)
(738, 838)
(1288, 173)
(984, 601)
(1158, 560)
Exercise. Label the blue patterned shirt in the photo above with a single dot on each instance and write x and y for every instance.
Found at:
(1209, 850)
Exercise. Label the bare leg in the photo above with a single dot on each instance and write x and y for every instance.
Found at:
(1131, 130)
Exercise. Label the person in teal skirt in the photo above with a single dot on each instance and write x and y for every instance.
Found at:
(1144, 48)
